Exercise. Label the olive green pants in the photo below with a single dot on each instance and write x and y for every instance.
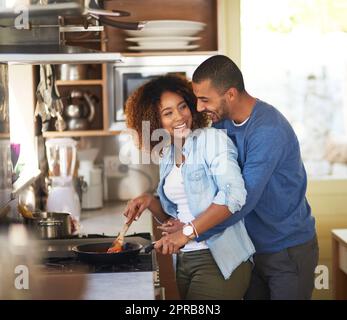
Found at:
(199, 278)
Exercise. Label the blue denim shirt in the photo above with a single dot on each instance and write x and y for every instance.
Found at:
(211, 174)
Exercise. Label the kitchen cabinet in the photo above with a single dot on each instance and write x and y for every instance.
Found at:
(339, 263)
(206, 11)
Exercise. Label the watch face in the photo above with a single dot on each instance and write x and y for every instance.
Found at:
(188, 230)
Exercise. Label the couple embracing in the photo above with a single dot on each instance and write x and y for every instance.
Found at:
(231, 197)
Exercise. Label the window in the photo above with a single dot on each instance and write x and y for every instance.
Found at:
(294, 56)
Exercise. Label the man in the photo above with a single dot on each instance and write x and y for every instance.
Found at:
(277, 215)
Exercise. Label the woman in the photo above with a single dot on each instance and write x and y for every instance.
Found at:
(200, 186)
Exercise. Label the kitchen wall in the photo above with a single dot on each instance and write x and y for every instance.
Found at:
(133, 178)
(295, 60)
(328, 200)
(230, 29)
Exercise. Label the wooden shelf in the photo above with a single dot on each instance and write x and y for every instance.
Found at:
(84, 133)
(80, 82)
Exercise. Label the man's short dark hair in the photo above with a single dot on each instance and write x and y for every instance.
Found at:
(223, 73)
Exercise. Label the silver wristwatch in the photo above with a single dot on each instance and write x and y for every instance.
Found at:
(188, 231)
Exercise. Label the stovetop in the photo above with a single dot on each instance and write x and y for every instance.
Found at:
(58, 257)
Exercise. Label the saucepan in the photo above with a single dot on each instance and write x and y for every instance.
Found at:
(48, 225)
(54, 225)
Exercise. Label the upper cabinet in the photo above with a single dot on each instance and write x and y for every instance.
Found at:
(82, 88)
(205, 11)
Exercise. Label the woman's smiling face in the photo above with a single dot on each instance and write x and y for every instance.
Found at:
(175, 115)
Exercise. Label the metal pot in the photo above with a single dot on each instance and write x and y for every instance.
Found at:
(53, 225)
(72, 71)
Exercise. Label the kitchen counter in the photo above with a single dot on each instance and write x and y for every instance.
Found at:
(340, 235)
(109, 220)
(92, 286)
(339, 263)
(119, 286)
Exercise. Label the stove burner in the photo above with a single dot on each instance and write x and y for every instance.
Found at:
(59, 258)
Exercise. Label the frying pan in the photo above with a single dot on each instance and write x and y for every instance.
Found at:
(96, 10)
(96, 253)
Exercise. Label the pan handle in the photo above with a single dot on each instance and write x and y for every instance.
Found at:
(122, 24)
(108, 13)
(149, 248)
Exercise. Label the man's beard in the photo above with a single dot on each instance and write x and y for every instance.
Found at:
(220, 114)
(224, 110)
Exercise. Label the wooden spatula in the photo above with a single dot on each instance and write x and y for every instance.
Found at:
(117, 244)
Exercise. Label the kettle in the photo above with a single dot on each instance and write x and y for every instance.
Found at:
(80, 110)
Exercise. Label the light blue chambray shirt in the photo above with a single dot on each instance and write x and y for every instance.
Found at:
(211, 174)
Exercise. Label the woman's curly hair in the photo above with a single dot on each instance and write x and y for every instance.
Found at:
(143, 105)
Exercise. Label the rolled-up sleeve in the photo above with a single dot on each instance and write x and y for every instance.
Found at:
(264, 153)
(225, 171)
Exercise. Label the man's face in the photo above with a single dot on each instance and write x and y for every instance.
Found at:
(211, 101)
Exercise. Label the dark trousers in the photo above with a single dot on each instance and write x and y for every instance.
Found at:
(285, 275)
(199, 278)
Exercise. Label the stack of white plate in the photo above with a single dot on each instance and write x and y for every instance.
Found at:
(166, 35)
